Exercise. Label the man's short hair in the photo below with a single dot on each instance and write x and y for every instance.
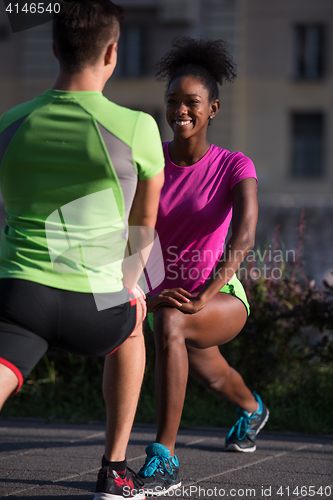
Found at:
(83, 29)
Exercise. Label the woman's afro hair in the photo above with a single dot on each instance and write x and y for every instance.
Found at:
(206, 59)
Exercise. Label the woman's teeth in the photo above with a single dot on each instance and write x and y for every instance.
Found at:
(183, 122)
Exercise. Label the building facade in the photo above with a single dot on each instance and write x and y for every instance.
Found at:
(278, 111)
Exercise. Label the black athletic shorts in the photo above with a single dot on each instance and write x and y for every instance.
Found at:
(34, 316)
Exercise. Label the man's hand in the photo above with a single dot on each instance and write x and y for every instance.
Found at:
(140, 296)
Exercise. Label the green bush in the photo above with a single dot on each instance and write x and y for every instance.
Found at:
(290, 326)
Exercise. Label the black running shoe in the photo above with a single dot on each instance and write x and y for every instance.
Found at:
(160, 472)
(242, 435)
(113, 486)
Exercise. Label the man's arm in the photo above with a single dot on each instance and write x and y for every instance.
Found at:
(142, 221)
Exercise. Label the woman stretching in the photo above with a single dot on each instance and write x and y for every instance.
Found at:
(200, 304)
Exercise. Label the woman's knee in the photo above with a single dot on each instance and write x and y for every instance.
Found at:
(168, 326)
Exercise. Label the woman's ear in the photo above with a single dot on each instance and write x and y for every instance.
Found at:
(214, 108)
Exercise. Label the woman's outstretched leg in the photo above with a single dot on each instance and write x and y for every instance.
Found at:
(213, 371)
(210, 367)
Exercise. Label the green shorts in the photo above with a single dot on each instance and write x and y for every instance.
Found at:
(233, 287)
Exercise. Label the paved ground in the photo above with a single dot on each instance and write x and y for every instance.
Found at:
(51, 461)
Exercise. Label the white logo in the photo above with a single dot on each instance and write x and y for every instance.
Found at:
(78, 245)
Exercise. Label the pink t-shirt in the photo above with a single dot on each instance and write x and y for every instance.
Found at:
(194, 215)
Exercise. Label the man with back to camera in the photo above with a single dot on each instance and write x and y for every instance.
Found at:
(75, 170)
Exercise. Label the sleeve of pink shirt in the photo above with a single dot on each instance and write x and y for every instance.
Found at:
(242, 167)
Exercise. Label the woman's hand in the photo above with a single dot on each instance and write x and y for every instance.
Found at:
(193, 306)
(176, 297)
(173, 297)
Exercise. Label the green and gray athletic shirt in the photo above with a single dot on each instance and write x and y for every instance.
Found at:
(70, 163)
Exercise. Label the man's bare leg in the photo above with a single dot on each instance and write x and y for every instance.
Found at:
(122, 380)
(8, 383)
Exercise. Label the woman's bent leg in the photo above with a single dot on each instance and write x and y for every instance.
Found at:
(171, 373)
(220, 321)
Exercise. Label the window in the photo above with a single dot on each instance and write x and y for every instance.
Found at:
(131, 52)
(309, 51)
(307, 145)
(179, 11)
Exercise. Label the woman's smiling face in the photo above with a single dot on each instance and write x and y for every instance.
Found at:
(188, 107)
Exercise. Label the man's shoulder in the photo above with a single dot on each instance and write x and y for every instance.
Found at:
(109, 106)
(20, 111)
(120, 120)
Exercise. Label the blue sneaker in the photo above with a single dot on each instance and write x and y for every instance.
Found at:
(160, 473)
(242, 435)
